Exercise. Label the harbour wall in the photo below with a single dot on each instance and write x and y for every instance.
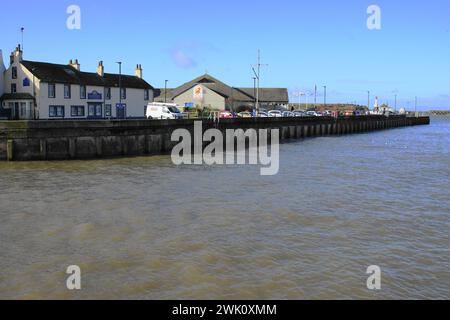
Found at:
(84, 139)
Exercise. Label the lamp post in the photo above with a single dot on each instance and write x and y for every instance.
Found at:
(325, 95)
(165, 91)
(315, 96)
(254, 91)
(120, 82)
(415, 105)
(368, 100)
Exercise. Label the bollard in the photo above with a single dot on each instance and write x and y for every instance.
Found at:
(10, 150)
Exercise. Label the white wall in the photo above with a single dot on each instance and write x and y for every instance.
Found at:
(134, 100)
(2, 70)
(210, 99)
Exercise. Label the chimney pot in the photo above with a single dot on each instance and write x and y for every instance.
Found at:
(100, 69)
(138, 71)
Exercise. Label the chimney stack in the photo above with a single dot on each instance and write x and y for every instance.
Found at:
(16, 56)
(75, 64)
(100, 69)
(139, 71)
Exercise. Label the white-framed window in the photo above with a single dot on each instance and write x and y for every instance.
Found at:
(14, 72)
(108, 110)
(56, 111)
(23, 109)
(67, 92)
(13, 88)
(146, 95)
(123, 93)
(51, 90)
(95, 110)
(108, 93)
(77, 111)
(82, 92)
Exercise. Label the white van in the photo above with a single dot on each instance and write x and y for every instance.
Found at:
(163, 111)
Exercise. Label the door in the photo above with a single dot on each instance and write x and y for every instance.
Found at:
(121, 111)
(16, 112)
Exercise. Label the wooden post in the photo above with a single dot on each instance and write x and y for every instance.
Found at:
(10, 150)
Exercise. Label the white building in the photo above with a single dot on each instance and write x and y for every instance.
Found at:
(207, 91)
(39, 90)
(2, 71)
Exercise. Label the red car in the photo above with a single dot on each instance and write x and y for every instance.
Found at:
(226, 115)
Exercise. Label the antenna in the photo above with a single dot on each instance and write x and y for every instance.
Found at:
(257, 73)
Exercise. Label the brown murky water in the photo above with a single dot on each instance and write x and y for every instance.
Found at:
(145, 229)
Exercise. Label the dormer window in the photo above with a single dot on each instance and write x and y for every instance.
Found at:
(67, 91)
(82, 92)
(108, 93)
(51, 90)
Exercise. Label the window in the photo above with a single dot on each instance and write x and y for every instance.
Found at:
(77, 111)
(56, 111)
(82, 92)
(14, 72)
(13, 88)
(23, 109)
(123, 93)
(108, 93)
(51, 90)
(146, 95)
(108, 109)
(95, 110)
(67, 91)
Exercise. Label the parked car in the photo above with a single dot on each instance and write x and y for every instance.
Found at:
(349, 113)
(163, 111)
(312, 114)
(226, 115)
(262, 114)
(288, 114)
(299, 113)
(244, 114)
(275, 114)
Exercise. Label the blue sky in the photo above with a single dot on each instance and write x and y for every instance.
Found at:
(321, 42)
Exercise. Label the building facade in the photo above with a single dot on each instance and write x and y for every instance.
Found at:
(209, 92)
(39, 90)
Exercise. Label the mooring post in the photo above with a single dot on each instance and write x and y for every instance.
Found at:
(10, 150)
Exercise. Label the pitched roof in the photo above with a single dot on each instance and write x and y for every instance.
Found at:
(159, 95)
(213, 84)
(58, 73)
(16, 96)
(269, 94)
(239, 94)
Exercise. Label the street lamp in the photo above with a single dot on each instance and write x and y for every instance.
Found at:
(165, 91)
(120, 83)
(254, 91)
(368, 100)
(325, 95)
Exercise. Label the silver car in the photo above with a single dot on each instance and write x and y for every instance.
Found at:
(275, 114)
